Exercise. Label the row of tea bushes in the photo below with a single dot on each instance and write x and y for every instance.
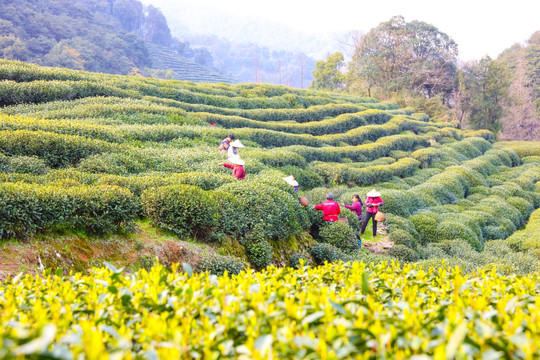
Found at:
(528, 239)
(344, 173)
(385, 310)
(485, 214)
(522, 148)
(366, 152)
(250, 211)
(338, 124)
(27, 209)
(69, 82)
(457, 253)
(56, 149)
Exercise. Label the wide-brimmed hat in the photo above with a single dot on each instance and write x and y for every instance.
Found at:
(237, 144)
(290, 180)
(237, 161)
(373, 193)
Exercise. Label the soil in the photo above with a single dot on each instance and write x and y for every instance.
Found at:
(61, 254)
(379, 244)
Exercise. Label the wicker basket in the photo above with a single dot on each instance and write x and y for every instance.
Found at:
(380, 216)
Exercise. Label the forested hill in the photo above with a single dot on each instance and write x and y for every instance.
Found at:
(109, 36)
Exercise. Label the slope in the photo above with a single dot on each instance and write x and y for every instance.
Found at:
(183, 69)
(98, 155)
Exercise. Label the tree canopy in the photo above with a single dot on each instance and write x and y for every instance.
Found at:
(412, 56)
(327, 74)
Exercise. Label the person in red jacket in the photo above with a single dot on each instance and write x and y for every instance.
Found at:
(237, 166)
(373, 202)
(330, 209)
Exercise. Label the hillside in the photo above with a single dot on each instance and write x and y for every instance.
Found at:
(109, 36)
(102, 175)
(116, 147)
(183, 69)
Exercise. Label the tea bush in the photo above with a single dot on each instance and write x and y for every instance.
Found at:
(322, 253)
(340, 235)
(186, 210)
(219, 264)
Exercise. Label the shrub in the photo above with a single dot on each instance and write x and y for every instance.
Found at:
(57, 150)
(395, 223)
(259, 250)
(450, 230)
(294, 261)
(340, 235)
(403, 253)
(328, 253)
(27, 165)
(401, 237)
(218, 264)
(102, 209)
(425, 225)
(492, 232)
(257, 203)
(186, 210)
(27, 209)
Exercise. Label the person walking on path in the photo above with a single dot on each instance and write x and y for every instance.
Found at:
(237, 166)
(330, 209)
(226, 143)
(233, 148)
(373, 202)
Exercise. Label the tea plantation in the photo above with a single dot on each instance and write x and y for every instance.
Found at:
(100, 155)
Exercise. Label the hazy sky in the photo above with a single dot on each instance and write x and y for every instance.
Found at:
(479, 27)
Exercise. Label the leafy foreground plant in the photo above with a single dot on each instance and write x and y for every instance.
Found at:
(329, 312)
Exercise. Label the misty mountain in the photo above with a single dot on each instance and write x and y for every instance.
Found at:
(248, 47)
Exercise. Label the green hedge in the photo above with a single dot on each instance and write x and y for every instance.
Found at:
(322, 253)
(57, 150)
(219, 264)
(340, 235)
(27, 209)
(186, 210)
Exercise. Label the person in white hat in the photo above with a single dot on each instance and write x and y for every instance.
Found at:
(233, 149)
(290, 180)
(373, 201)
(238, 167)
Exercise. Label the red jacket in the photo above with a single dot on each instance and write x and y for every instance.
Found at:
(330, 210)
(238, 171)
(373, 209)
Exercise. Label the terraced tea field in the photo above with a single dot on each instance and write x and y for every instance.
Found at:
(103, 155)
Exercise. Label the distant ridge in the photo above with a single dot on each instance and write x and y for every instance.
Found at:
(183, 68)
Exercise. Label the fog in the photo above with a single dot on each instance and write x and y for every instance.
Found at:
(318, 27)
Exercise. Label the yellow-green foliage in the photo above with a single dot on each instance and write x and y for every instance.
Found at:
(528, 238)
(522, 148)
(334, 311)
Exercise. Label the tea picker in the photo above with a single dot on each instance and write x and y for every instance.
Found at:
(237, 166)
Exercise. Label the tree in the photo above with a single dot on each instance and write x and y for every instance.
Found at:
(327, 74)
(520, 116)
(412, 56)
(486, 83)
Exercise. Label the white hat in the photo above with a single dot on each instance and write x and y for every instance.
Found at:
(290, 180)
(373, 193)
(236, 160)
(237, 144)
